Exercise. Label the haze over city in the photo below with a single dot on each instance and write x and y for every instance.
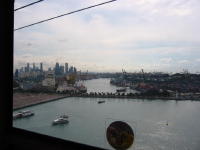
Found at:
(150, 34)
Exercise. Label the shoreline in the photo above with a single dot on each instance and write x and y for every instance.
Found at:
(38, 103)
(22, 100)
(53, 97)
(142, 97)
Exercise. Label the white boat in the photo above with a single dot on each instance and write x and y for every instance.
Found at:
(17, 115)
(27, 113)
(61, 120)
(23, 114)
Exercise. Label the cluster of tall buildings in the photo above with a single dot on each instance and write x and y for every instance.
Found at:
(28, 68)
(33, 70)
(61, 70)
(29, 71)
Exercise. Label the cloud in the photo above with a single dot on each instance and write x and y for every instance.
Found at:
(198, 60)
(131, 34)
(166, 60)
(183, 61)
(180, 11)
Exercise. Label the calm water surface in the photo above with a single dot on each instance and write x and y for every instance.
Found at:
(88, 120)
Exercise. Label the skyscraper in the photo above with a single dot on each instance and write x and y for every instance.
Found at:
(57, 69)
(33, 66)
(41, 67)
(66, 67)
(21, 69)
(71, 69)
(28, 67)
(61, 70)
(75, 70)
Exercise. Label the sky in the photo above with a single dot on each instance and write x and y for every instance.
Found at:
(154, 35)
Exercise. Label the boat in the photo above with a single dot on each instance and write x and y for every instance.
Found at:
(23, 114)
(121, 90)
(63, 119)
(27, 113)
(60, 121)
(82, 89)
(64, 116)
(99, 102)
(17, 115)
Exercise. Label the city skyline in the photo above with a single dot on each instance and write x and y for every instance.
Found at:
(27, 67)
(150, 34)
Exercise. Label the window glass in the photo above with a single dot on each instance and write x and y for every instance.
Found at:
(120, 75)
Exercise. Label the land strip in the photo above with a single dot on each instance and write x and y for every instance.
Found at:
(143, 97)
(21, 100)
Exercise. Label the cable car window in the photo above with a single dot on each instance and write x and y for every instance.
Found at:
(112, 74)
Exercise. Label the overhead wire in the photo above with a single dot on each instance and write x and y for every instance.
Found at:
(72, 12)
(28, 5)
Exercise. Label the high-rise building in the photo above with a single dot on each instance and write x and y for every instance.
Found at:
(75, 70)
(71, 69)
(41, 67)
(61, 70)
(66, 67)
(21, 69)
(28, 67)
(57, 69)
(33, 66)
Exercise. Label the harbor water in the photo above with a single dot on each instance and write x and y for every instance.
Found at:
(157, 124)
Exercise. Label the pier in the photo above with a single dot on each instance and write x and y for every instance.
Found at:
(135, 96)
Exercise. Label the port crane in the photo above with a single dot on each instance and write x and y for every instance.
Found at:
(123, 71)
(143, 75)
(124, 74)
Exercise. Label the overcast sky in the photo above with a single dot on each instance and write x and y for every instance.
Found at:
(156, 35)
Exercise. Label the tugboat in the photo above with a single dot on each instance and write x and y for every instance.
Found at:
(99, 102)
(121, 90)
(23, 114)
(61, 120)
